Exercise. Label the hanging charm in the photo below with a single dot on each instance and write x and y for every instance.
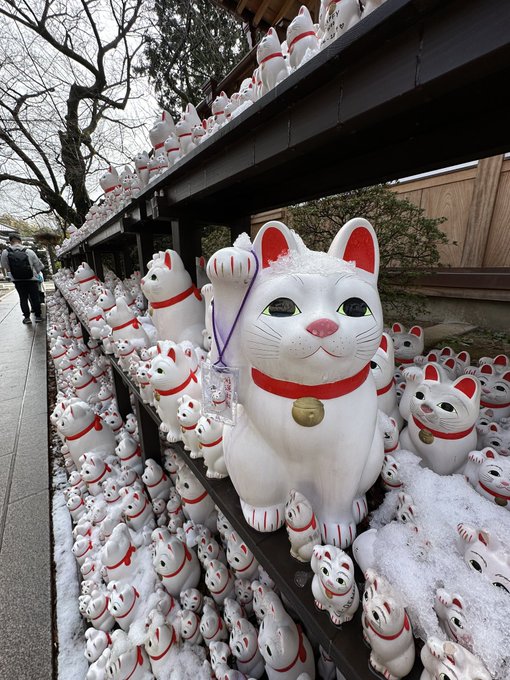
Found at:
(426, 436)
(308, 411)
(219, 392)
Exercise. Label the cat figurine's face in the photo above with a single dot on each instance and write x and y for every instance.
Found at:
(447, 660)
(444, 406)
(268, 45)
(166, 276)
(486, 554)
(312, 314)
(450, 610)
(495, 387)
(407, 344)
(497, 437)
(491, 477)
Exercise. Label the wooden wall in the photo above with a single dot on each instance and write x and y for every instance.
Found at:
(476, 203)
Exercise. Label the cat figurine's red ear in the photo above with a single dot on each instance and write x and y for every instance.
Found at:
(273, 240)
(357, 242)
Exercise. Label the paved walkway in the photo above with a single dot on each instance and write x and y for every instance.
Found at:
(25, 547)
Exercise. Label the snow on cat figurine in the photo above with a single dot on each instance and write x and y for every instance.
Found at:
(406, 345)
(441, 427)
(489, 474)
(177, 566)
(495, 390)
(486, 554)
(387, 629)
(334, 588)
(308, 315)
(450, 610)
(188, 415)
(176, 304)
(301, 38)
(286, 650)
(171, 375)
(382, 366)
(210, 440)
(446, 659)
(302, 527)
(272, 65)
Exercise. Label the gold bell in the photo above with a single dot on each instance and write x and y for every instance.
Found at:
(308, 411)
(426, 437)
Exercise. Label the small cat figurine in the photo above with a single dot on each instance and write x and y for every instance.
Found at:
(334, 588)
(301, 37)
(308, 314)
(450, 610)
(495, 390)
(489, 473)
(486, 554)
(382, 366)
(336, 17)
(272, 65)
(302, 527)
(390, 478)
(441, 427)
(407, 345)
(496, 436)
(446, 659)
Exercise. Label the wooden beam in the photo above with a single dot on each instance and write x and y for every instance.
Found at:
(260, 12)
(240, 6)
(283, 11)
(480, 213)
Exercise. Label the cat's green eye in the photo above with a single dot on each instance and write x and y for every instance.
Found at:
(354, 307)
(282, 307)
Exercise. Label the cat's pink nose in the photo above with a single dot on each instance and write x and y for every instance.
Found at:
(426, 409)
(322, 328)
(504, 483)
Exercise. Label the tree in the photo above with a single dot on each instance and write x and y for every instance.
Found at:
(66, 72)
(408, 240)
(194, 41)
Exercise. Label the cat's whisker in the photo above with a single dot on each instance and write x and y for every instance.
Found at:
(369, 330)
(273, 330)
(267, 338)
(270, 335)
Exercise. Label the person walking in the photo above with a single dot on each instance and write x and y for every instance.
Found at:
(23, 268)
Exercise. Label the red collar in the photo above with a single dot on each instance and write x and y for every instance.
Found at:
(139, 661)
(406, 625)
(172, 641)
(192, 290)
(136, 452)
(393, 448)
(388, 387)
(194, 500)
(173, 512)
(123, 616)
(139, 512)
(292, 390)
(101, 614)
(174, 148)
(240, 571)
(207, 446)
(187, 556)
(187, 429)
(125, 560)
(96, 318)
(218, 628)
(107, 309)
(219, 113)
(132, 322)
(179, 388)
(300, 37)
(494, 493)
(392, 486)
(158, 146)
(442, 435)
(57, 356)
(90, 278)
(486, 405)
(163, 478)
(301, 654)
(107, 468)
(271, 56)
(218, 592)
(96, 424)
(251, 657)
(185, 134)
(404, 361)
(312, 523)
(89, 547)
(80, 387)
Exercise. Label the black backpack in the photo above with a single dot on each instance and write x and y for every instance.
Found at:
(19, 264)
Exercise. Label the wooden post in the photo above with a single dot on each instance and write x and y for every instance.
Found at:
(117, 260)
(145, 245)
(128, 263)
(121, 394)
(97, 263)
(186, 242)
(148, 433)
(480, 213)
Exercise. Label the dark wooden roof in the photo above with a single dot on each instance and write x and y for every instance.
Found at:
(266, 13)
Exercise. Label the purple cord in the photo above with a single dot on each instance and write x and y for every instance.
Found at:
(222, 351)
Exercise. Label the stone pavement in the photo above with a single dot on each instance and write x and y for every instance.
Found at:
(25, 545)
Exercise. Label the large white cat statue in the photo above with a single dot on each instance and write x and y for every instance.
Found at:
(307, 415)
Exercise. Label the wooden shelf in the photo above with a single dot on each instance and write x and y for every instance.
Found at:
(344, 644)
(415, 86)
